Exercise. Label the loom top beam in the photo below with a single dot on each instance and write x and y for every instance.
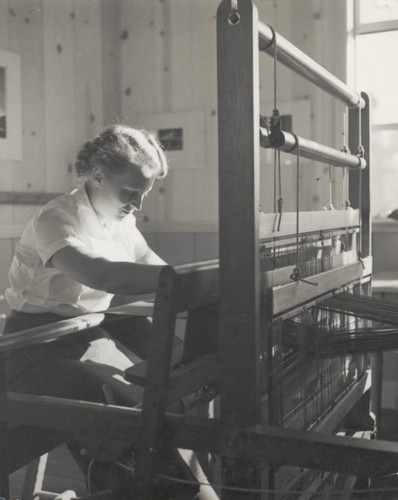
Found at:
(299, 62)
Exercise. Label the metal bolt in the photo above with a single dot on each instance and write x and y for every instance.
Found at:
(234, 18)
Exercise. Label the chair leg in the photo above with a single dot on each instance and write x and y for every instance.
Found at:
(34, 477)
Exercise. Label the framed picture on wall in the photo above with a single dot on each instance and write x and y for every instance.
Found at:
(182, 134)
(10, 106)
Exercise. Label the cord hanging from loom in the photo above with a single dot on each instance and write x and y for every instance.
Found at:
(280, 199)
(295, 276)
(345, 149)
(278, 204)
(330, 205)
(276, 137)
(276, 131)
(275, 65)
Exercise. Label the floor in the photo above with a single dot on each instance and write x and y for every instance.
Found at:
(382, 488)
(62, 473)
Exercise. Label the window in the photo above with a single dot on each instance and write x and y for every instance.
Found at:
(376, 37)
(375, 11)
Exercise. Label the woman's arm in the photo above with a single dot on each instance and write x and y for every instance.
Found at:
(94, 271)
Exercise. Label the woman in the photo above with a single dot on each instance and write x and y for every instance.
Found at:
(77, 253)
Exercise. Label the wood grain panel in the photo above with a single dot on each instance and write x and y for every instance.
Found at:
(26, 28)
(21, 214)
(25, 197)
(59, 89)
(111, 70)
(205, 184)
(203, 64)
(4, 31)
(138, 33)
(149, 207)
(88, 70)
(181, 196)
(206, 246)
(176, 248)
(181, 62)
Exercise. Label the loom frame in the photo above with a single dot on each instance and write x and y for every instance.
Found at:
(241, 37)
(295, 59)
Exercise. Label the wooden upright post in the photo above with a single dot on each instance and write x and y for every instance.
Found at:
(359, 128)
(148, 448)
(238, 126)
(238, 118)
(359, 191)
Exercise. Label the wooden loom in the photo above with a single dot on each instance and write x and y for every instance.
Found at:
(268, 273)
(279, 409)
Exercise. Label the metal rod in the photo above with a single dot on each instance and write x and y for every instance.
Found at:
(313, 150)
(298, 61)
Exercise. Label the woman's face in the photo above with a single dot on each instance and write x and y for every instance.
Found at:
(116, 196)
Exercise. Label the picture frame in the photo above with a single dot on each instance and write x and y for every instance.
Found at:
(10, 106)
(182, 134)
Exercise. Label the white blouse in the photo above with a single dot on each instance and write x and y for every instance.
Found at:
(68, 220)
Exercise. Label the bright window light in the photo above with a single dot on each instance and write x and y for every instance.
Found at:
(373, 11)
(377, 73)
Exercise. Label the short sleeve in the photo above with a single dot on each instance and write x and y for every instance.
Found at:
(56, 227)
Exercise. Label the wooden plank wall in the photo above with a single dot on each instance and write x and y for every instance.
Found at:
(174, 72)
(61, 99)
(87, 63)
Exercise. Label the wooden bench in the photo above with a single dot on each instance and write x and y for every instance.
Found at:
(192, 288)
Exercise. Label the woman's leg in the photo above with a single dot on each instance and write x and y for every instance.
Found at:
(135, 333)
